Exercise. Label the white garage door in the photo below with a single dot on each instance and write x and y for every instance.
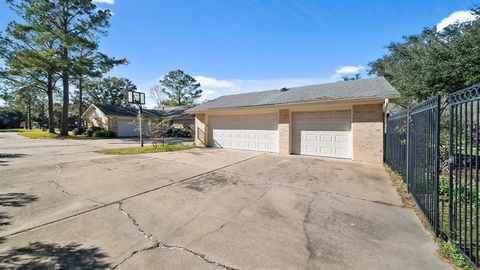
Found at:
(326, 133)
(250, 132)
(126, 129)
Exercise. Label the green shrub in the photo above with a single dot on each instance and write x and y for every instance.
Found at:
(103, 133)
(110, 134)
(98, 134)
(78, 131)
(89, 132)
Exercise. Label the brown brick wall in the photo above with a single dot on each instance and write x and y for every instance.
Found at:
(367, 133)
(284, 131)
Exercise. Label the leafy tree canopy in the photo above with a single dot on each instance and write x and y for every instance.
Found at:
(180, 88)
(433, 61)
(352, 78)
(109, 91)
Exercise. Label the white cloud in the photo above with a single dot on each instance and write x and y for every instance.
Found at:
(208, 82)
(208, 92)
(349, 70)
(458, 16)
(110, 2)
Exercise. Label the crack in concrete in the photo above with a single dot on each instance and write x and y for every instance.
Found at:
(162, 245)
(232, 217)
(145, 234)
(308, 245)
(60, 187)
(59, 170)
(202, 257)
(307, 191)
(128, 197)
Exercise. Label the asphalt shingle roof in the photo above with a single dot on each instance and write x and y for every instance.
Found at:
(377, 87)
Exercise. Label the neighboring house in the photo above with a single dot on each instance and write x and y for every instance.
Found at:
(120, 119)
(341, 120)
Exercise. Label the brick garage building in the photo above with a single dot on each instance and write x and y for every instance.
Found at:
(338, 120)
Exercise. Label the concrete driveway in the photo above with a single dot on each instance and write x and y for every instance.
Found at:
(64, 206)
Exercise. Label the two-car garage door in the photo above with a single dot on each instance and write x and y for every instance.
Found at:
(322, 133)
(250, 132)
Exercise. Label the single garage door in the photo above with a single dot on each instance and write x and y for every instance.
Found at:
(126, 129)
(326, 133)
(250, 132)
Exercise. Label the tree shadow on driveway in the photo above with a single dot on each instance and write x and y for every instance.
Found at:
(8, 156)
(4, 221)
(16, 199)
(40, 255)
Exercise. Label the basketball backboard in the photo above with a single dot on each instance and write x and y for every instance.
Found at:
(136, 98)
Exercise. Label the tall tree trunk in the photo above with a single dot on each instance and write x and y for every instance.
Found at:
(80, 103)
(43, 115)
(66, 94)
(51, 117)
(29, 113)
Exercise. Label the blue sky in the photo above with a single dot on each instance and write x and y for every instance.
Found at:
(234, 46)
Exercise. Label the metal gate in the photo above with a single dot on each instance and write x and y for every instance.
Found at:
(463, 171)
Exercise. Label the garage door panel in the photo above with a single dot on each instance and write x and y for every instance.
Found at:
(341, 151)
(326, 150)
(341, 138)
(326, 133)
(125, 128)
(249, 132)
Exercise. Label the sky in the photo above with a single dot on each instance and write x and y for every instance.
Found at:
(234, 46)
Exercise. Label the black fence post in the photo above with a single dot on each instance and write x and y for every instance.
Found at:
(451, 165)
(437, 166)
(408, 173)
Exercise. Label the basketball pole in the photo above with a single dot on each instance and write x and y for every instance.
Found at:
(141, 125)
(133, 100)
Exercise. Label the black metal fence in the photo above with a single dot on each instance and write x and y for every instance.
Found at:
(396, 139)
(463, 171)
(423, 169)
(412, 148)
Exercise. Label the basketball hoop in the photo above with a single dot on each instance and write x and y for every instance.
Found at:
(136, 98)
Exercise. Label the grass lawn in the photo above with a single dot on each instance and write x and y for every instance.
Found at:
(146, 149)
(12, 130)
(39, 134)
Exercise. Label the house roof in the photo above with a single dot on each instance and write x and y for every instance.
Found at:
(111, 110)
(378, 88)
